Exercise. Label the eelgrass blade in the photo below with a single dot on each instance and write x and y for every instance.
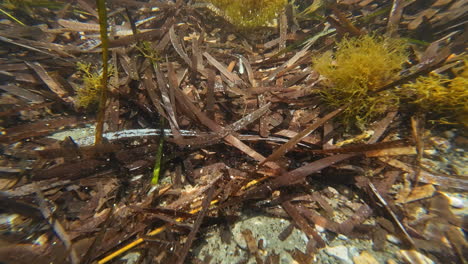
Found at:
(159, 154)
(101, 4)
(12, 17)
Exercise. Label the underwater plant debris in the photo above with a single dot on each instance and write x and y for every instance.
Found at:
(262, 161)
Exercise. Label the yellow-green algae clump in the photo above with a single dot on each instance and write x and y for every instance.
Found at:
(437, 93)
(357, 68)
(249, 13)
(88, 94)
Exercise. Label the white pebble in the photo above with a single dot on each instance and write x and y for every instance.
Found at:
(342, 237)
(353, 252)
(393, 239)
(319, 229)
(454, 201)
(339, 252)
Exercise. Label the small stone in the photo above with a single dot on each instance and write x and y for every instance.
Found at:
(342, 237)
(393, 239)
(353, 252)
(391, 261)
(333, 191)
(365, 258)
(413, 256)
(449, 134)
(339, 252)
(319, 229)
(454, 201)
(131, 257)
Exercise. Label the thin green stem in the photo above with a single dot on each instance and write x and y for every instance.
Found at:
(101, 4)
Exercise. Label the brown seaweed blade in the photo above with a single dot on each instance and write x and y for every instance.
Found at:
(300, 173)
(210, 101)
(392, 214)
(23, 93)
(57, 226)
(381, 126)
(178, 47)
(150, 87)
(39, 128)
(294, 176)
(361, 148)
(222, 68)
(217, 128)
(394, 17)
(443, 181)
(167, 104)
(293, 141)
(204, 209)
(7, 40)
(50, 82)
(301, 222)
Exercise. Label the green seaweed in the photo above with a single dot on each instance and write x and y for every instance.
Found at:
(439, 94)
(249, 13)
(358, 68)
(88, 94)
(159, 155)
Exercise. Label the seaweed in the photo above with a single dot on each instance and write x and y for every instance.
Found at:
(249, 13)
(238, 124)
(88, 94)
(447, 97)
(358, 68)
(103, 23)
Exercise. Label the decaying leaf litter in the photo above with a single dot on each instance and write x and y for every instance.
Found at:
(245, 129)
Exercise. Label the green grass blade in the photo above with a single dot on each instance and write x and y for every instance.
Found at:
(101, 4)
(12, 17)
(159, 154)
